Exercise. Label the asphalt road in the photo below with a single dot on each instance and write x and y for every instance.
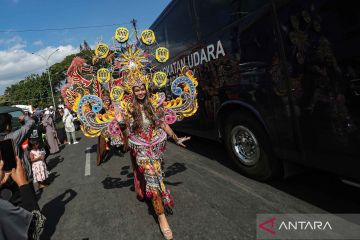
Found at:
(212, 201)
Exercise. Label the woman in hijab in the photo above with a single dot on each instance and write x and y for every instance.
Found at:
(51, 135)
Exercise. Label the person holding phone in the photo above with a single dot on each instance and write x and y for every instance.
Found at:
(16, 222)
(18, 137)
(7, 152)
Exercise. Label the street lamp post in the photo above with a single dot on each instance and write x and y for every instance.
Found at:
(48, 70)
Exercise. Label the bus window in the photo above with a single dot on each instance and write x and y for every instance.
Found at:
(216, 14)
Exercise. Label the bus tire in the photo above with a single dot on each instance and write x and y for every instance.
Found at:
(248, 146)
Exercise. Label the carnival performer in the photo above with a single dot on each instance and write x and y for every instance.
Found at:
(148, 131)
(138, 114)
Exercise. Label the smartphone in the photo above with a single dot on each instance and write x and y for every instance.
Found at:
(8, 155)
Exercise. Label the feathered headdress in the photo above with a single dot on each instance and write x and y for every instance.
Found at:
(130, 65)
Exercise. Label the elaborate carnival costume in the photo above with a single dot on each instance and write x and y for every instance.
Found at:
(118, 71)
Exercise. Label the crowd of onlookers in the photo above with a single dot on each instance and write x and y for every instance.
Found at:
(41, 134)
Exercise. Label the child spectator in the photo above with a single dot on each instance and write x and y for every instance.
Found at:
(37, 157)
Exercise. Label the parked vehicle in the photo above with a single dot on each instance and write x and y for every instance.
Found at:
(15, 113)
(25, 108)
(279, 80)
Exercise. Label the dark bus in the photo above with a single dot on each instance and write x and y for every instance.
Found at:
(278, 79)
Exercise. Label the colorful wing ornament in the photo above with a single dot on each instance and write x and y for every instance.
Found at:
(97, 90)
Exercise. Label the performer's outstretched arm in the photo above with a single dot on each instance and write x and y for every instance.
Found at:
(170, 132)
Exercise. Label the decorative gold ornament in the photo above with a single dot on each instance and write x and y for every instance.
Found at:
(116, 93)
(122, 34)
(148, 37)
(162, 54)
(101, 50)
(159, 79)
(103, 75)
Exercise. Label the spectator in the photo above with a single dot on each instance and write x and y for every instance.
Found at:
(36, 134)
(68, 120)
(18, 137)
(37, 157)
(52, 112)
(38, 113)
(51, 135)
(59, 124)
(17, 222)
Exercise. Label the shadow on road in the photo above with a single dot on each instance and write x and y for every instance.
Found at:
(48, 181)
(53, 211)
(320, 189)
(210, 149)
(51, 178)
(111, 182)
(53, 162)
(92, 149)
(112, 152)
(174, 169)
(61, 147)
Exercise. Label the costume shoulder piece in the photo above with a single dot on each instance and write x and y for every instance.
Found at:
(100, 90)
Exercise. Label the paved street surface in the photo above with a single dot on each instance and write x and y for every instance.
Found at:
(212, 201)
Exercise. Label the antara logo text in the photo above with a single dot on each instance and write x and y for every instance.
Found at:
(270, 226)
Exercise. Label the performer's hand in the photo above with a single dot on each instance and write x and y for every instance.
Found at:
(181, 140)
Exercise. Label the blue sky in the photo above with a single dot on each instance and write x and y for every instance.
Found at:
(16, 60)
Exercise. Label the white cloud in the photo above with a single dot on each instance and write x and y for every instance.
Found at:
(16, 63)
(6, 82)
(38, 43)
(12, 41)
(17, 46)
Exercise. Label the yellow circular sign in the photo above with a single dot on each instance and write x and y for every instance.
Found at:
(121, 34)
(103, 75)
(159, 79)
(162, 54)
(101, 50)
(148, 37)
(116, 93)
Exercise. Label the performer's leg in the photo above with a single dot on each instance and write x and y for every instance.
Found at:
(150, 172)
(160, 212)
(157, 203)
(139, 181)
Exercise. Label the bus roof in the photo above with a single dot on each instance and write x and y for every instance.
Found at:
(163, 13)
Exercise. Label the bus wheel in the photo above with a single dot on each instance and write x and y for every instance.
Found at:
(249, 147)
